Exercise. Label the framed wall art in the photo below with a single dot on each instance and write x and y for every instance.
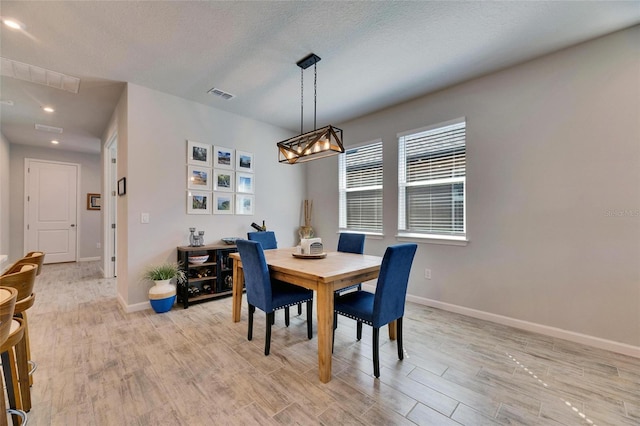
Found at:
(244, 161)
(199, 178)
(93, 201)
(222, 203)
(223, 158)
(244, 182)
(122, 186)
(223, 180)
(198, 154)
(244, 204)
(198, 202)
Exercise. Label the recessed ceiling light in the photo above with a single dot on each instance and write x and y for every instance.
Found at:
(12, 23)
(55, 142)
(48, 109)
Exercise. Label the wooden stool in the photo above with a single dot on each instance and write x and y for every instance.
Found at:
(16, 370)
(34, 257)
(9, 332)
(22, 278)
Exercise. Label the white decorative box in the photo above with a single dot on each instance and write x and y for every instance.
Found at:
(311, 246)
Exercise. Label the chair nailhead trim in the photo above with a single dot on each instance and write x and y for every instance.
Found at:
(357, 319)
(292, 304)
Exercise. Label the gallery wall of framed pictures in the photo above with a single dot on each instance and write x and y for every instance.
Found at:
(220, 180)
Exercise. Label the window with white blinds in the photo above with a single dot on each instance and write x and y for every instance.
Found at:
(360, 188)
(431, 176)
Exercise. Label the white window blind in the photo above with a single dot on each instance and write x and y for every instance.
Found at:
(431, 176)
(360, 188)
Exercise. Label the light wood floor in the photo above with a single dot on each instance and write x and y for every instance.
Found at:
(100, 366)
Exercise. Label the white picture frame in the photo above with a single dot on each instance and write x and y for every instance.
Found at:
(223, 158)
(199, 202)
(198, 154)
(244, 204)
(199, 178)
(244, 182)
(244, 161)
(223, 180)
(223, 203)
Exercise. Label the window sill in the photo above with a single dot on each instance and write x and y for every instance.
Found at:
(433, 239)
(369, 235)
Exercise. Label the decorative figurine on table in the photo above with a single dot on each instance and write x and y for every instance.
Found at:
(192, 237)
(196, 240)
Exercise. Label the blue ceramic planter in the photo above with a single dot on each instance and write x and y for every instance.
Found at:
(162, 305)
(162, 296)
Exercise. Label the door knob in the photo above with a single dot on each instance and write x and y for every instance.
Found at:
(73, 225)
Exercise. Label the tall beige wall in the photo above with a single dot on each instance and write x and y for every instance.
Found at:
(158, 128)
(553, 201)
(4, 197)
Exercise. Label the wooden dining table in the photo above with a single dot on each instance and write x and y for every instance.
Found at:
(324, 276)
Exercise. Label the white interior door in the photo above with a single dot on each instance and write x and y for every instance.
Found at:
(51, 209)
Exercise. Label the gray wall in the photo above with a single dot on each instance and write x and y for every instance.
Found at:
(154, 153)
(89, 232)
(553, 201)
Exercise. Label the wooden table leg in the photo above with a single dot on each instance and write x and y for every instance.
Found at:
(238, 285)
(392, 330)
(325, 331)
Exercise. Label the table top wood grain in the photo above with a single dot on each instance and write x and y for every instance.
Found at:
(335, 267)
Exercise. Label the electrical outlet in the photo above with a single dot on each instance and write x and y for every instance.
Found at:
(144, 217)
(98, 245)
(427, 274)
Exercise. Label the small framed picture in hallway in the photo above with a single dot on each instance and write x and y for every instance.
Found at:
(93, 201)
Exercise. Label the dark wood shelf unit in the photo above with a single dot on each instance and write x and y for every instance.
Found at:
(211, 279)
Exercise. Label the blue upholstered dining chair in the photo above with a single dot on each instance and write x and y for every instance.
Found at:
(268, 241)
(387, 304)
(266, 238)
(269, 295)
(350, 243)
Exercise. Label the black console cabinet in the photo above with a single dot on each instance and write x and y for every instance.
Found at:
(209, 280)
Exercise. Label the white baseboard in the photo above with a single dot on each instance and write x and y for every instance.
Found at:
(89, 259)
(133, 308)
(596, 342)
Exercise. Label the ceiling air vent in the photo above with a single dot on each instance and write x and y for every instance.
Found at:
(22, 71)
(221, 93)
(50, 129)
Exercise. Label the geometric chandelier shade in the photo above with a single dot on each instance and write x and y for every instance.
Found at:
(318, 143)
(312, 145)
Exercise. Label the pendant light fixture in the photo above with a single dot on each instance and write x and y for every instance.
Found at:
(318, 143)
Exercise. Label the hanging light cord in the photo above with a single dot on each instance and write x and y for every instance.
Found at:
(315, 93)
(315, 96)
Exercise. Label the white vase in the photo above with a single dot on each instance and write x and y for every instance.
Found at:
(162, 296)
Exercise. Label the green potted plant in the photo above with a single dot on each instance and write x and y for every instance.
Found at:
(162, 295)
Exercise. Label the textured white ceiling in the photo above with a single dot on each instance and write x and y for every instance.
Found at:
(374, 54)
